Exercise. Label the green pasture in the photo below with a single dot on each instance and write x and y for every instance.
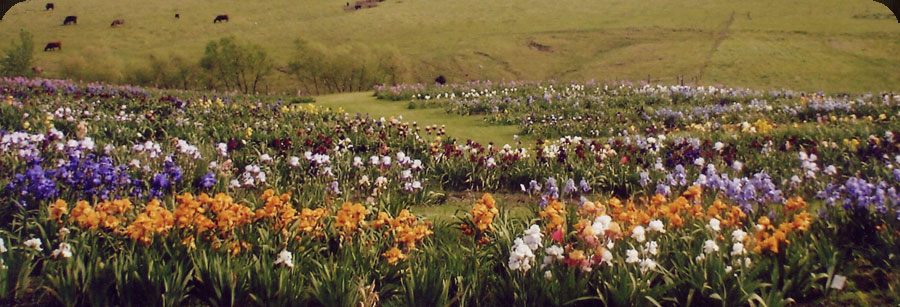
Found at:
(830, 45)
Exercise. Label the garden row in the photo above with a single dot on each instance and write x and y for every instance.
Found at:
(237, 200)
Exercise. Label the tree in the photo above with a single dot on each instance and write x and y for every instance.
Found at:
(308, 66)
(237, 65)
(18, 57)
(343, 68)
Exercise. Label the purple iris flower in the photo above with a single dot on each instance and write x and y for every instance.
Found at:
(585, 187)
(570, 187)
(208, 180)
(645, 179)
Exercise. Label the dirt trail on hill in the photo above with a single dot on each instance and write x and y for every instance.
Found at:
(506, 66)
(720, 37)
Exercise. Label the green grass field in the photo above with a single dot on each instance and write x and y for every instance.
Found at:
(803, 45)
(459, 127)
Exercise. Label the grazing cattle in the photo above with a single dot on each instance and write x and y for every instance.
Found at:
(53, 45)
(49, 6)
(117, 22)
(223, 17)
(37, 70)
(177, 16)
(71, 19)
(440, 80)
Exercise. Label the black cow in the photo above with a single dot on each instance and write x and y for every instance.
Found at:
(53, 45)
(177, 16)
(71, 19)
(440, 80)
(223, 17)
(49, 6)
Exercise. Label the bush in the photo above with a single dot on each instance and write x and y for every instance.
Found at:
(18, 57)
(73, 66)
(92, 64)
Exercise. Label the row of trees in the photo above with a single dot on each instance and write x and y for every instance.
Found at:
(344, 68)
(234, 65)
(240, 66)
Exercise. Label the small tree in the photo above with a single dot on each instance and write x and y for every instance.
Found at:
(238, 66)
(18, 57)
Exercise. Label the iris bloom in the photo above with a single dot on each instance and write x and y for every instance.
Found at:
(657, 225)
(638, 233)
(64, 250)
(648, 265)
(737, 249)
(738, 235)
(34, 243)
(285, 258)
(710, 247)
(632, 256)
(714, 225)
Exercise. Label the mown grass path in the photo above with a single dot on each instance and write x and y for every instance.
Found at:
(459, 127)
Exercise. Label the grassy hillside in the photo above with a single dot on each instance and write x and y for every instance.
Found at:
(799, 44)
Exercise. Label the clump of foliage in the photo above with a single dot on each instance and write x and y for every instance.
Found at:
(345, 68)
(237, 65)
(18, 57)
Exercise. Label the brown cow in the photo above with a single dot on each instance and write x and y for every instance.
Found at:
(117, 22)
(37, 70)
(53, 45)
(223, 17)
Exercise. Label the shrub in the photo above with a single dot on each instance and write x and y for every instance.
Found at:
(18, 57)
(168, 72)
(92, 64)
